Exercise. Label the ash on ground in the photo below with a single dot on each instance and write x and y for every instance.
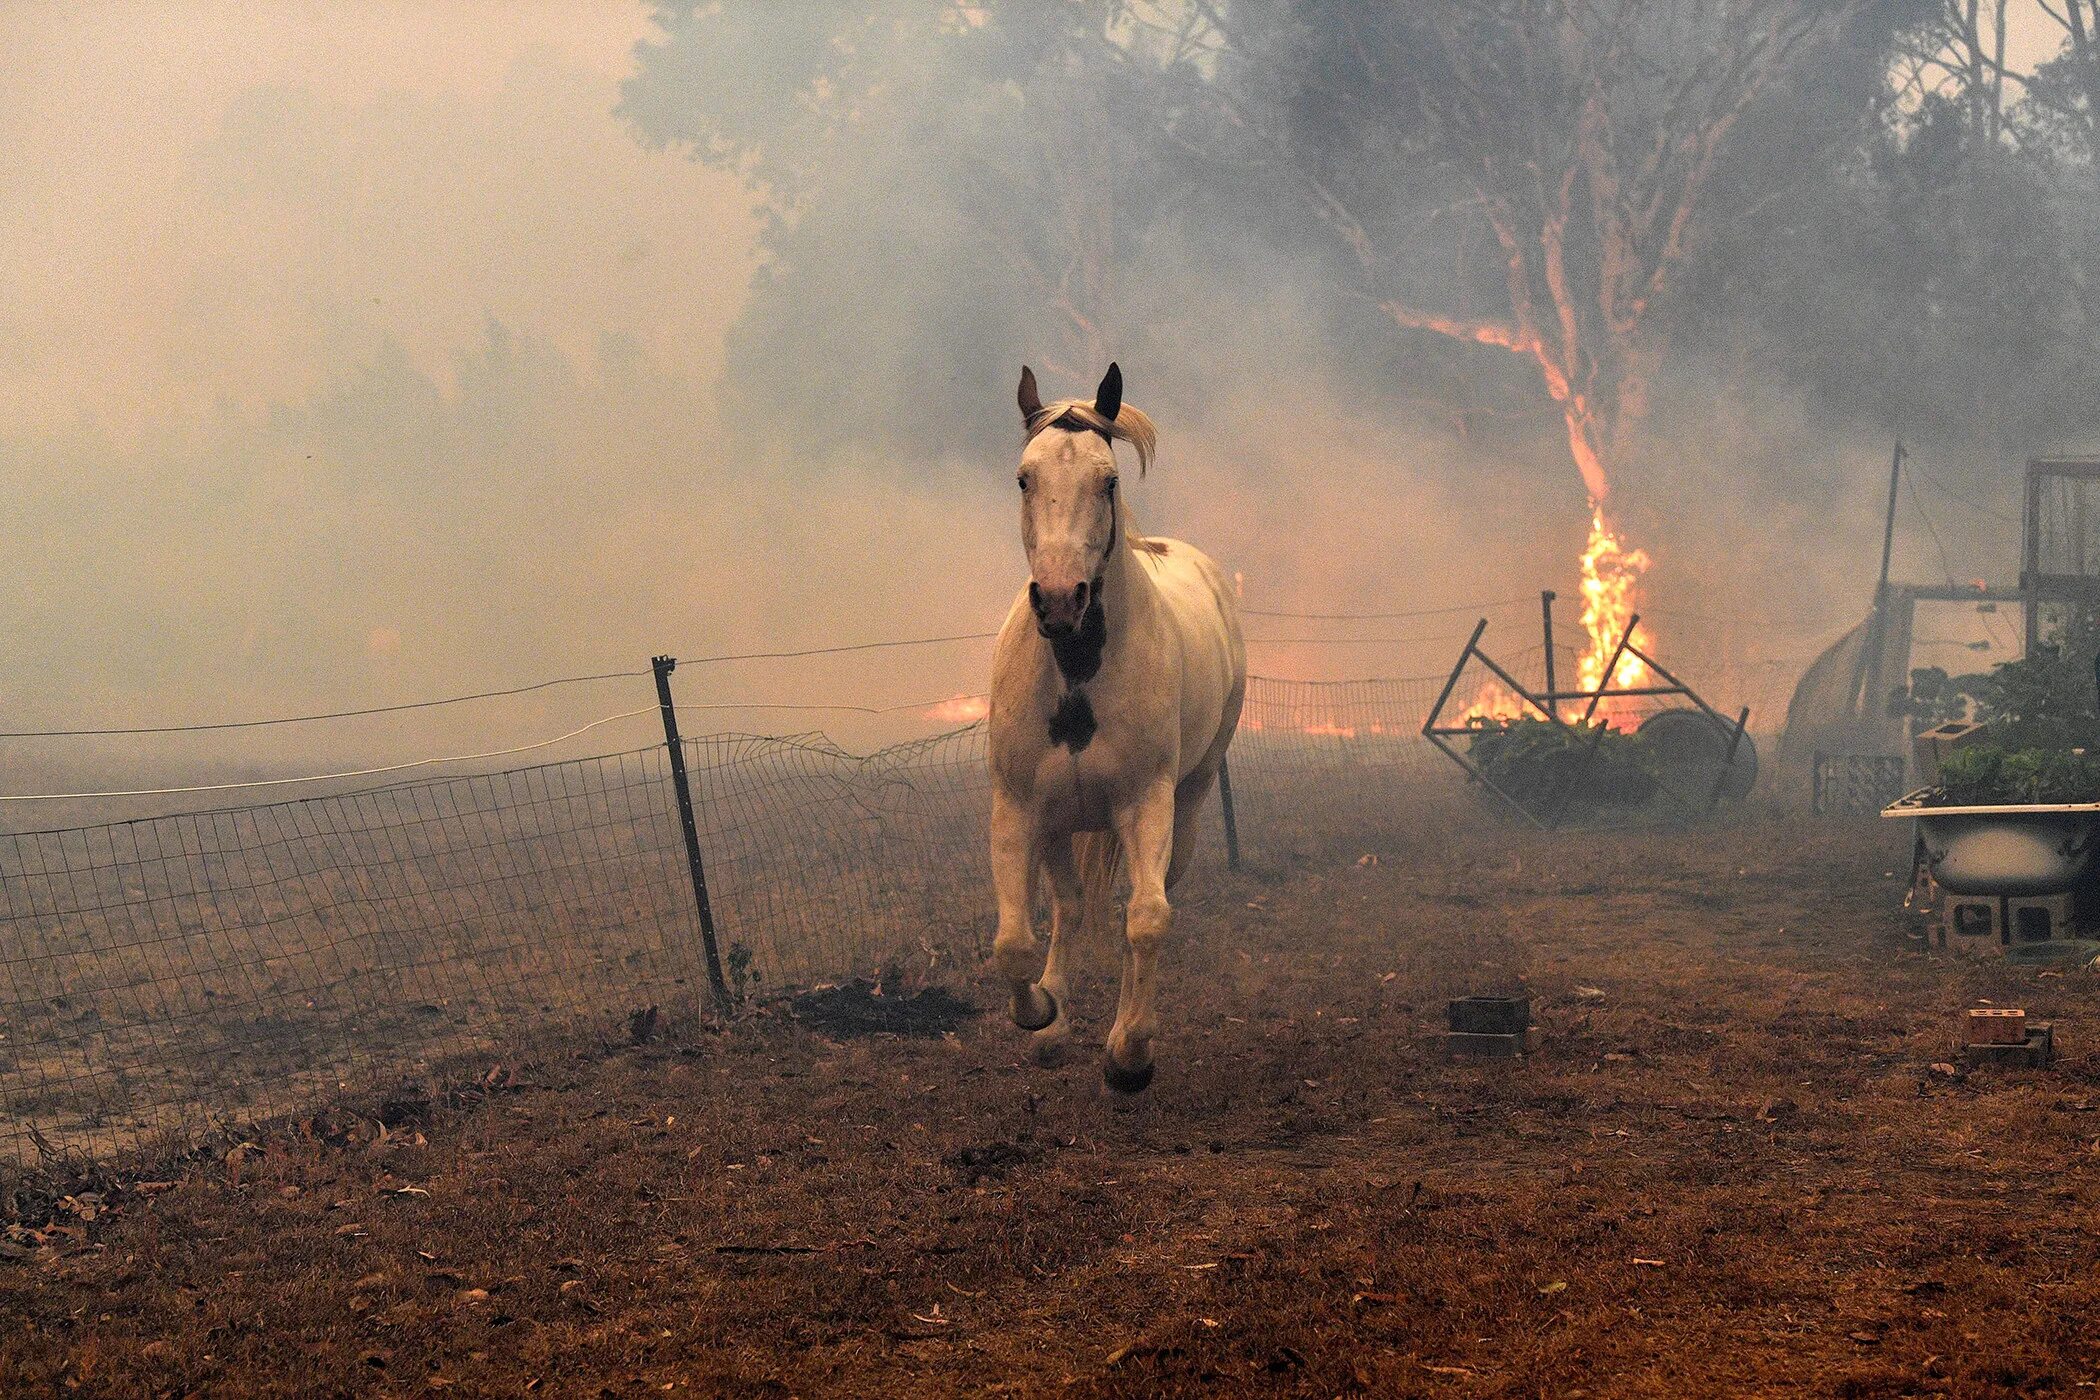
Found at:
(862, 1007)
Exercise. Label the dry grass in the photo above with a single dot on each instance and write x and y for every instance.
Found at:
(1734, 1171)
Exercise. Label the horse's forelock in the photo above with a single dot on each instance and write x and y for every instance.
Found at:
(1078, 416)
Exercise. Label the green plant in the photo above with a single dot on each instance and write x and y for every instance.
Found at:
(1934, 697)
(738, 964)
(2048, 700)
(2042, 715)
(1539, 763)
(1985, 775)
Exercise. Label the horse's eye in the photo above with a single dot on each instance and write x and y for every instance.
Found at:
(1023, 481)
(1112, 482)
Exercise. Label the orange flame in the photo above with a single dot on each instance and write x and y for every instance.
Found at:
(961, 709)
(1610, 574)
(1496, 705)
(1328, 728)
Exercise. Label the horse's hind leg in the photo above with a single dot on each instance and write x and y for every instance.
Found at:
(1188, 803)
(1014, 948)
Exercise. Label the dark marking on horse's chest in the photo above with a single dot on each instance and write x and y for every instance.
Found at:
(1073, 724)
(1079, 655)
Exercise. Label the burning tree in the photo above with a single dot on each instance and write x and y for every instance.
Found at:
(1585, 141)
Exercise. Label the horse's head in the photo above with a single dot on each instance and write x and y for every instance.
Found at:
(1069, 516)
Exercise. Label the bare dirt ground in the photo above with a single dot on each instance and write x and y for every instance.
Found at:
(1732, 1169)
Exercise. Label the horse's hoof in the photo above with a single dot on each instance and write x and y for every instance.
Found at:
(1127, 1081)
(1047, 1046)
(1049, 1014)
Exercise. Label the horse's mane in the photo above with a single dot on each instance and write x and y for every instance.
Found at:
(1129, 425)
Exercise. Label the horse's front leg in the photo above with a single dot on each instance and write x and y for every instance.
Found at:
(1067, 912)
(1147, 832)
(1013, 948)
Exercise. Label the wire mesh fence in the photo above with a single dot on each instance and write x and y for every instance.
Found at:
(169, 976)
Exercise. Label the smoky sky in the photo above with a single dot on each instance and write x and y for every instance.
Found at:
(352, 355)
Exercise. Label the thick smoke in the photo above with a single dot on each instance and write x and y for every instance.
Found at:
(360, 359)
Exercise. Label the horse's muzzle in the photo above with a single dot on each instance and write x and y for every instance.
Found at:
(1059, 608)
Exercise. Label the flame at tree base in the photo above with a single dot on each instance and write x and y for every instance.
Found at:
(1611, 572)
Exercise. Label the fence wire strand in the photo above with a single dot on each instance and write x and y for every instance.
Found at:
(165, 977)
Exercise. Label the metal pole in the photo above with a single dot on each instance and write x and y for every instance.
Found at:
(1611, 668)
(1888, 527)
(1577, 775)
(1232, 823)
(1735, 739)
(664, 666)
(2031, 558)
(1451, 683)
(1871, 644)
(1546, 629)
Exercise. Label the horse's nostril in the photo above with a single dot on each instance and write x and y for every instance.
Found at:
(1035, 595)
(1079, 594)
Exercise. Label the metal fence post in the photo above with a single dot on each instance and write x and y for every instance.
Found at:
(1232, 821)
(1546, 598)
(663, 666)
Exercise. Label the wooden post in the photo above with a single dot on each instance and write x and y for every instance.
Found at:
(717, 985)
(1232, 821)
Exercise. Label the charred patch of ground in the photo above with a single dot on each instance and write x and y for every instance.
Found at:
(867, 1007)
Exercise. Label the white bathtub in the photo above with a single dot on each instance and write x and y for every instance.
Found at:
(2012, 851)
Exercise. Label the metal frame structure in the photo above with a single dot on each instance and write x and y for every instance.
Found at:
(1591, 736)
(2037, 587)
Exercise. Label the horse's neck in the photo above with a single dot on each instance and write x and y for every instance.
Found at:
(1128, 592)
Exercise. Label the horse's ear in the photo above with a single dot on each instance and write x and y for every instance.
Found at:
(1108, 399)
(1030, 398)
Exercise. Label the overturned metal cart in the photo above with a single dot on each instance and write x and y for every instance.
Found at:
(1697, 757)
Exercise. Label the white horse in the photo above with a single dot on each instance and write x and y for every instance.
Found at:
(1116, 687)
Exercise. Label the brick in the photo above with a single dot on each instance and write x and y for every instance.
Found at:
(1996, 1025)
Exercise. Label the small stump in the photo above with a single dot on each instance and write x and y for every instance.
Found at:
(1496, 1028)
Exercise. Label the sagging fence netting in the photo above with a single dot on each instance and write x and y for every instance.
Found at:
(173, 976)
